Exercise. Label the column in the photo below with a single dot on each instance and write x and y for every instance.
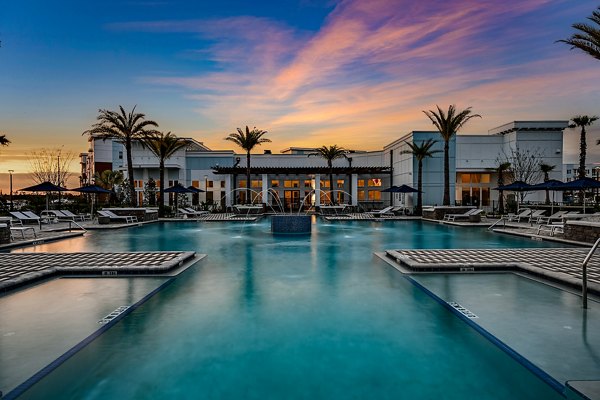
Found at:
(317, 190)
(265, 188)
(354, 179)
(228, 193)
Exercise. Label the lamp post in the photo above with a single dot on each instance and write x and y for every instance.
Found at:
(10, 172)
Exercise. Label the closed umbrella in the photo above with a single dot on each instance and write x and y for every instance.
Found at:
(45, 187)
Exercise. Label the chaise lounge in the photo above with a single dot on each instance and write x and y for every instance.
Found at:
(467, 215)
(129, 219)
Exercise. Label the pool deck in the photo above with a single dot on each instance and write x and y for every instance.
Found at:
(562, 265)
(19, 269)
(368, 217)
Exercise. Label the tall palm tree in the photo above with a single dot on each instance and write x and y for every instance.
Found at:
(588, 37)
(330, 153)
(546, 169)
(420, 152)
(448, 125)
(163, 145)
(124, 127)
(248, 140)
(108, 180)
(501, 169)
(4, 141)
(581, 121)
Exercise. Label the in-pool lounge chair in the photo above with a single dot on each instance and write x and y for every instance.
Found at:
(129, 219)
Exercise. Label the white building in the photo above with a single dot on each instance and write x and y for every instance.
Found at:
(293, 179)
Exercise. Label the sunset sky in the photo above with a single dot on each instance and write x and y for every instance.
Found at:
(356, 73)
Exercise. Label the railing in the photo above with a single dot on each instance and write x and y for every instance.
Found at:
(584, 274)
(76, 224)
(497, 222)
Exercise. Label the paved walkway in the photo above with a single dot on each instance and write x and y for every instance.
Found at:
(562, 264)
(18, 269)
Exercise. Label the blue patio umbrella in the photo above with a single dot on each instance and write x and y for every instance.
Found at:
(580, 184)
(516, 186)
(45, 187)
(551, 184)
(400, 189)
(92, 189)
(178, 188)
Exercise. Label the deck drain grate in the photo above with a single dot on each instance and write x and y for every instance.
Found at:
(113, 315)
(462, 310)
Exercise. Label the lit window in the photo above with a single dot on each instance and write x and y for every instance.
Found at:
(275, 183)
(374, 195)
(256, 183)
(361, 183)
(375, 182)
(340, 183)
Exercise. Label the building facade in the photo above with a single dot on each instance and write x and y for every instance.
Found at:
(293, 179)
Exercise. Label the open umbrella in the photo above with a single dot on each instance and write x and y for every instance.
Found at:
(400, 189)
(92, 189)
(516, 186)
(45, 187)
(178, 188)
(551, 184)
(580, 184)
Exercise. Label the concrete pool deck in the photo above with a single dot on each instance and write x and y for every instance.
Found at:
(19, 269)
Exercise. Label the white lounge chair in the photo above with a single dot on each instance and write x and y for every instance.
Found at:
(383, 212)
(557, 216)
(465, 215)
(76, 217)
(196, 213)
(552, 229)
(129, 219)
(535, 216)
(21, 216)
(20, 229)
(517, 217)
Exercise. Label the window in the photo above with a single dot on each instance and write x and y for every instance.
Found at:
(361, 195)
(485, 178)
(209, 183)
(325, 184)
(275, 183)
(222, 184)
(465, 178)
(340, 183)
(374, 195)
(256, 183)
(307, 183)
(196, 184)
(375, 182)
(242, 184)
(120, 155)
(291, 184)
(361, 183)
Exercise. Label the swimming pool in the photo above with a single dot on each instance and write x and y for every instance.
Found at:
(291, 317)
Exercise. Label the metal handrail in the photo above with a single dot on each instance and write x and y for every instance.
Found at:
(496, 223)
(584, 273)
(80, 227)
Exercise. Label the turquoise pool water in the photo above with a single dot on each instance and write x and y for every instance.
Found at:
(314, 317)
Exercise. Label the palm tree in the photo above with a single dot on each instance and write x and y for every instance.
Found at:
(108, 180)
(421, 152)
(588, 37)
(546, 169)
(4, 141)
(248, 140)
(501, 169)
(163, 145)
(581, 121)
(330, 153)
(448, 125)
(124, 127)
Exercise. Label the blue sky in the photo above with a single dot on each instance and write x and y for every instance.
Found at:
(354, 73)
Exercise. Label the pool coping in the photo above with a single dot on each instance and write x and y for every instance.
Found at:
(45, 371)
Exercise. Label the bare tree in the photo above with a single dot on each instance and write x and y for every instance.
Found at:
(51, 165)
(524, 165)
